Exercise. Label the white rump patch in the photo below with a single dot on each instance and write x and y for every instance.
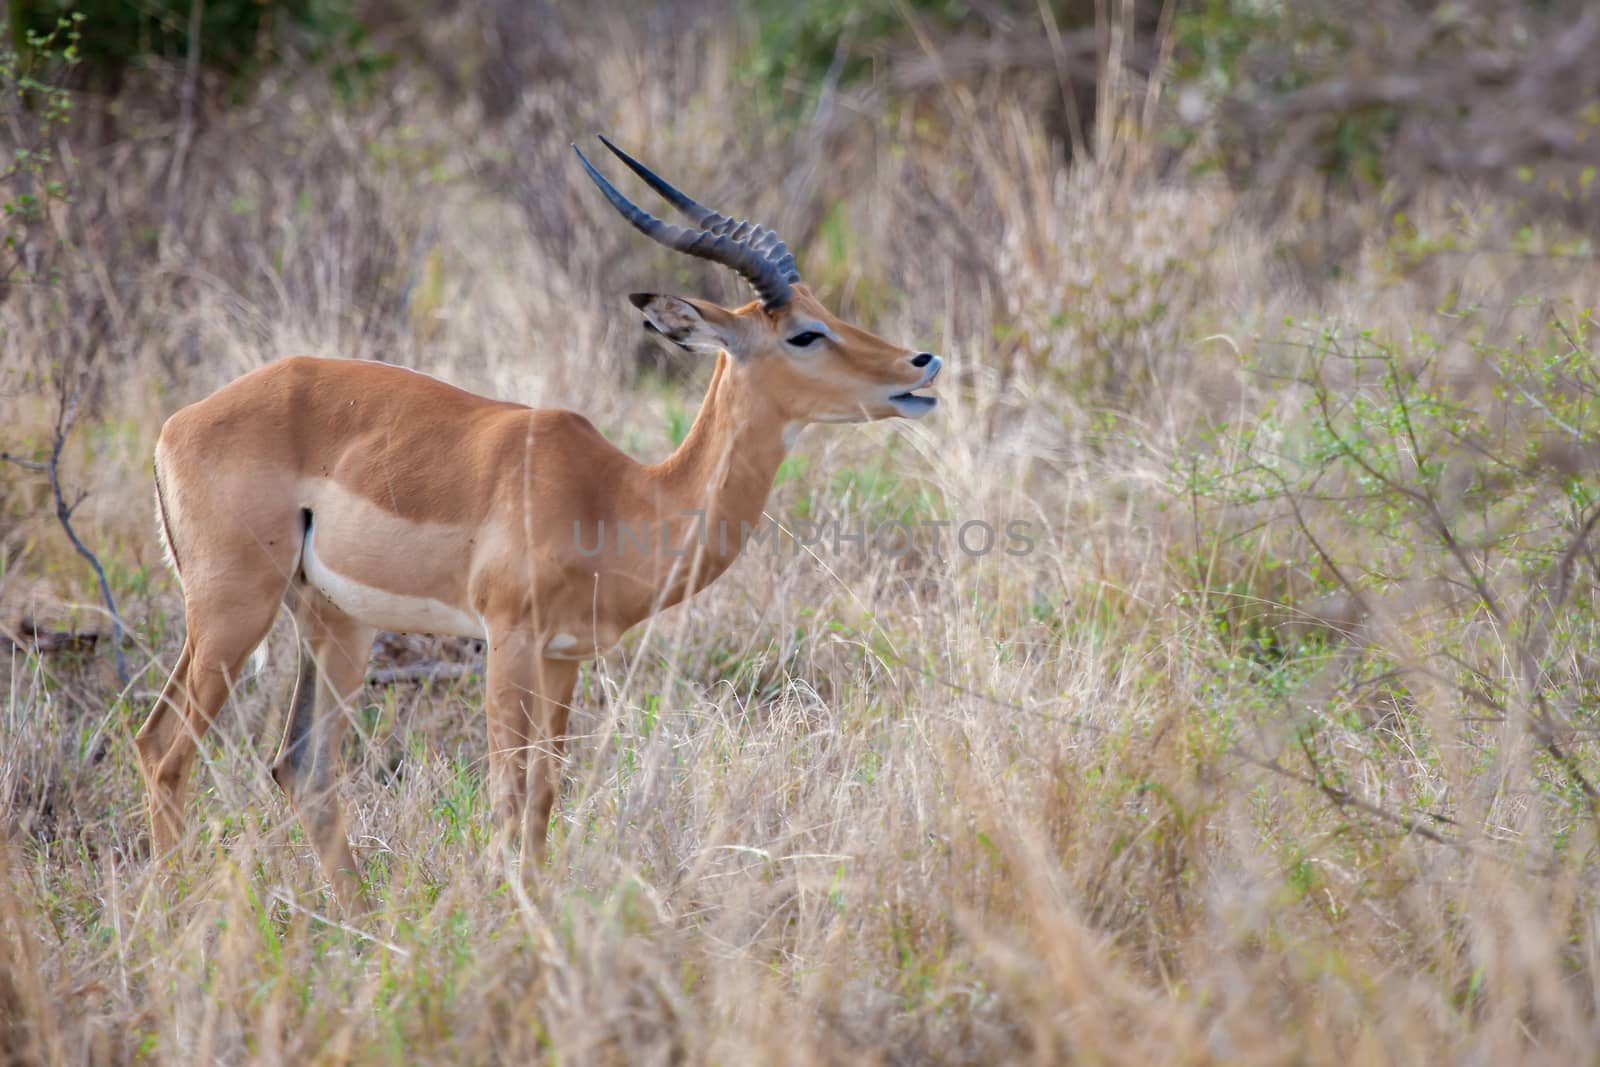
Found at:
(167, 554)
(383, 609)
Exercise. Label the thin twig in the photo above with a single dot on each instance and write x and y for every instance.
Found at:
(66, 415)
(26, 464)
(316, 916)
(1342, 797)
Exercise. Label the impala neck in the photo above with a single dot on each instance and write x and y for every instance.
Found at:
(724, 470)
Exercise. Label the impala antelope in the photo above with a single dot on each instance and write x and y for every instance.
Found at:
(364, 496)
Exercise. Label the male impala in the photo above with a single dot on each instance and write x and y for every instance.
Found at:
(365, 496)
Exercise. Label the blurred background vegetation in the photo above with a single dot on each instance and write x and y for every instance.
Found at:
(1370, 99)
(1360, 92)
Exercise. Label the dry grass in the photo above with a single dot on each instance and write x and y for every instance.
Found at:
(839, 808)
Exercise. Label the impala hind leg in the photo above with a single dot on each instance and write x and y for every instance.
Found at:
(223, 631)
(334, 651)
(152, 742)
(527, 702)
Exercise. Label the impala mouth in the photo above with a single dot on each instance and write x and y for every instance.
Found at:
(912, 404)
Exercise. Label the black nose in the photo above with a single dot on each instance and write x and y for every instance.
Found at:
(922, 359)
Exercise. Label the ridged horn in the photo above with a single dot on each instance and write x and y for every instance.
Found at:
(754, 251)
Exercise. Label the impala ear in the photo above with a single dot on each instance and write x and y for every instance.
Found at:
(689, 327)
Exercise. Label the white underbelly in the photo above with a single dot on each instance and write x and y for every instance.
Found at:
(383, 609)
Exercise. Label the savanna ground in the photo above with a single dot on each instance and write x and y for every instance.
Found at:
(1278, 747)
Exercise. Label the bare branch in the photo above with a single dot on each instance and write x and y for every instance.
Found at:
(66, 415)
(25, 464)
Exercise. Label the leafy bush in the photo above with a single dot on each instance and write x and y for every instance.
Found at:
(802, 43)
(234, 38)
(1429, 508)
(1362, 94)
(33, 106)
(1367, 94)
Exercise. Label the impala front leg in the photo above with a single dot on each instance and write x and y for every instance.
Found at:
(528, 701)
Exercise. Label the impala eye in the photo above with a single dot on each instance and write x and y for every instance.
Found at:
(806, 339)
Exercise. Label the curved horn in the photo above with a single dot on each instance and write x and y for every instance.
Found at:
(758, 237)
(703, 216)
(755, 252)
